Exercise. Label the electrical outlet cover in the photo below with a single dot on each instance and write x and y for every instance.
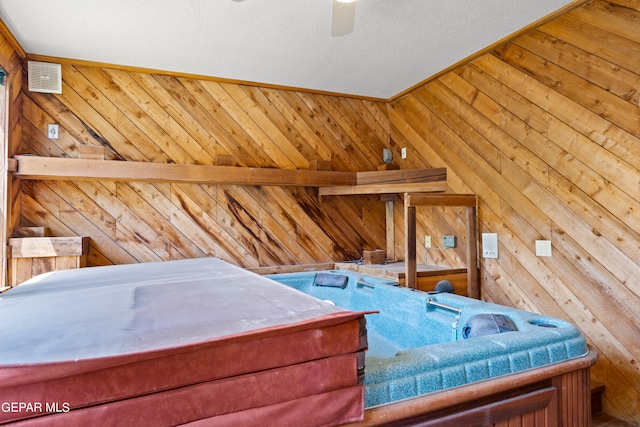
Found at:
(449, 241)
(490, 245)
(52, 131)
(543, 247)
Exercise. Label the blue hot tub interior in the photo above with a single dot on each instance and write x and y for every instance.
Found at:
(416, 343)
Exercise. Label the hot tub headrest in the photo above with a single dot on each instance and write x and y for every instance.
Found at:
(483, 324)
(445, 286)
(331, 280)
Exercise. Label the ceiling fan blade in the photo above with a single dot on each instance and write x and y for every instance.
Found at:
(343, 16)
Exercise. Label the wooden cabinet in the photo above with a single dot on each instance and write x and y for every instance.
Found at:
(30, 256)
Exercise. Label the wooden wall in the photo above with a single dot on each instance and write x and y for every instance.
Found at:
(158, 118)
(546, 131)
(10, 138)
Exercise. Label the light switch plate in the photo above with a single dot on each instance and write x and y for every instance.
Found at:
(543, 247)
(490, 245)
(52, 131)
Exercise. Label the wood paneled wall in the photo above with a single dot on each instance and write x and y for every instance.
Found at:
(10, 139)
(165, 119)
(546, 131)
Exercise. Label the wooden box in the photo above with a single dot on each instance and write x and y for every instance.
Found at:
(377, 256)
(30, 256)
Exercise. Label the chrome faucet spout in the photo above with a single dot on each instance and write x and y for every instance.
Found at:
(457, 310)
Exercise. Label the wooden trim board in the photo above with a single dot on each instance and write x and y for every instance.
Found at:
(38, 247)
(383, 188)
(62, 168)
(332, 182)
(466, 200)
(393, 181)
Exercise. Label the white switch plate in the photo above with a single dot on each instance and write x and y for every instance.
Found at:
(403, 152)
(543, 247)
(52, 131)
(427, 242)
(490, 245)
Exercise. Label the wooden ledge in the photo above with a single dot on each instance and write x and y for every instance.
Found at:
(422, 187)
(443, 199)
(330, 182)
(393, 181)
(41, 247)
(62, 168)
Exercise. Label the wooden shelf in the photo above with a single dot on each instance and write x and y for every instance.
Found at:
(393, 181)
(330, 182)
(60, 168)
(347, 190)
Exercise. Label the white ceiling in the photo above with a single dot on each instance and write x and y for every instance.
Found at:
(396, 44)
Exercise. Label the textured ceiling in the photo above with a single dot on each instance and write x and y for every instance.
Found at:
(396, 44)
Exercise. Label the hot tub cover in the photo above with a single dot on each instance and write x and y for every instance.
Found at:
(97, 335)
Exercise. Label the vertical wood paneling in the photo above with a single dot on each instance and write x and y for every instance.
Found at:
(158, 118)
(10, 136)
(546, 131)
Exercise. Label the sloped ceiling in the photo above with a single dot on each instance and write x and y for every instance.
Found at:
(396, 44)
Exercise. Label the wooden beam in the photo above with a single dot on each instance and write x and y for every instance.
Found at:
(442, 199)
(58, 168)
(38, 247)
(411, 274)
(401, 176)
(465, 200)
(383, 188)
(473, 279)
(390, 228)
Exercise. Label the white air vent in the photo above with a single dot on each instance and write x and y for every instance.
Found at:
(45, 77)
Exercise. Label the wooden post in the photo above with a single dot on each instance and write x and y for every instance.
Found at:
(473, 280)
(389, 200)
(467, 200)
(411, 267)
(5, 186)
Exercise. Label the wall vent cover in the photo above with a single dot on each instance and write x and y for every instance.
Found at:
(45, 77)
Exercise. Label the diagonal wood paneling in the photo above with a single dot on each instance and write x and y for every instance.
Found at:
(546, 130)
(158, 118)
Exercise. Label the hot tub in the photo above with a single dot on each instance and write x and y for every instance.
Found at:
(196, 341)
(421, 343)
